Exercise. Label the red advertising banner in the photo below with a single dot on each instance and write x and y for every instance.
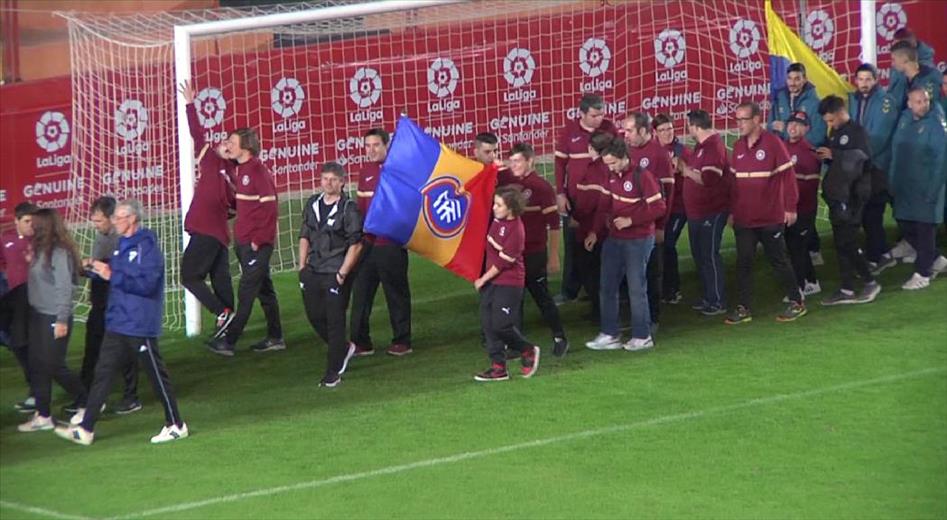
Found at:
(519, 78)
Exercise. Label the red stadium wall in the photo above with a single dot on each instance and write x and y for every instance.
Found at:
(36, 119)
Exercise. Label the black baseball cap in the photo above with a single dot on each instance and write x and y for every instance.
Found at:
(799, 117)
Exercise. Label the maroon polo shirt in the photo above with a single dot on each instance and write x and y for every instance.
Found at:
(540, 214)
(505, 242)
(808, 169)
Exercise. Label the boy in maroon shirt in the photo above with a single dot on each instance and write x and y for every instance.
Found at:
(541, 223)
(255, 237)
(645, 151)
(589, 191)
(763, 200)
(383, 262)
(501, 288)
(572, 158)
(15, 248)
(628, 208)
(206, 223)
(706, 191)
(808, 169)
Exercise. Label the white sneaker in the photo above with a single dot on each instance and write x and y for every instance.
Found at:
(816, 258)
(916, 282)
(811, 288)
(902, 250)
(37, 423)
(636, 344)
(349, 354)
(76, 434)
(170, 433)
(77, 417)
(940, 266)
(604, 342)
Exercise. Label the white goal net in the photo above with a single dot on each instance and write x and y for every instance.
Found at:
(312, 89)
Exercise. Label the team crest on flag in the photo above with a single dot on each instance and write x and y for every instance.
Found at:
(445, 206)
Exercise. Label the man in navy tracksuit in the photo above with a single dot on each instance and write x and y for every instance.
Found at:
(132, 325)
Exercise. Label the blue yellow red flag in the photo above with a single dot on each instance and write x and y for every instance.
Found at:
(433, 200)
(786, 47)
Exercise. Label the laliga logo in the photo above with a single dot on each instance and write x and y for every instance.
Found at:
(818, 29)
(131, 119)
(669, 48)
(445, 207)
(594, 57)
(365, 87)
(287, 97)
(52, 131)
(210, 105)
(890, 18)
(518, 67)
(744, 39)
(442, 77)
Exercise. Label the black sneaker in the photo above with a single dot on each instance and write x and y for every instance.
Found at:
(793, 312)
(869, 292)
(739, 315)
(331, 380)
(840, 297)
(883, 263)
(713, 310)
(560, 345)
(128, 406)
(496, 372)
(674, 298)
(223, 321)
(699, 305)
(268, 344)
(220, 347)
(513, 354)
(27, 405)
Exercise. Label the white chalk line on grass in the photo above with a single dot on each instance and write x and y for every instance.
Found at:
(39, 511)
(390, 470)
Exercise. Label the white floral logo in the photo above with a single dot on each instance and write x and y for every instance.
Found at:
(211, 106)
(594, 57)
(365, 87)
(744, 38)
(760, 155)
(889, 19)
(131, 119)
(518, 67)
(442, 77)
(818, 29)
(670, 48)
(52, 131)
(287, 97)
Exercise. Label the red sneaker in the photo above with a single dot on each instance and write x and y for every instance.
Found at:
(399, 349)
(530, 362)
(497, 372)
(362, 351)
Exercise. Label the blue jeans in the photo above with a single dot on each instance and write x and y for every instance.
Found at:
(626, 258)
(705, 235)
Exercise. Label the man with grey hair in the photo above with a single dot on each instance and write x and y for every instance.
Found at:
(132, 325)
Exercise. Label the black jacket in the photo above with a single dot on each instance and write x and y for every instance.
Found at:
(846, 186)
(330, 238)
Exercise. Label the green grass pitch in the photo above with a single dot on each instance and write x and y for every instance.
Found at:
(842, 414)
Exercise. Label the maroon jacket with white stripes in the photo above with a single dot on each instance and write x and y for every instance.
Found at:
(632, 193)
(214, 191)
(257, 208)
(572, 155)
(653, 157)
(764, 182)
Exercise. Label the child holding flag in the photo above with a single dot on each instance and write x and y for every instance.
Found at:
(501, 287)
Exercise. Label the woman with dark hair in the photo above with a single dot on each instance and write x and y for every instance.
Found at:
(54, 265)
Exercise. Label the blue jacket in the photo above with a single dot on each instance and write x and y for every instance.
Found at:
(136, 289)
(808, 102)
(898, 86)
(918, 174)
(881, 116)
(928, 77)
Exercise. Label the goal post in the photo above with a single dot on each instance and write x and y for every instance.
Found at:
(182, 72)
(314, 77)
